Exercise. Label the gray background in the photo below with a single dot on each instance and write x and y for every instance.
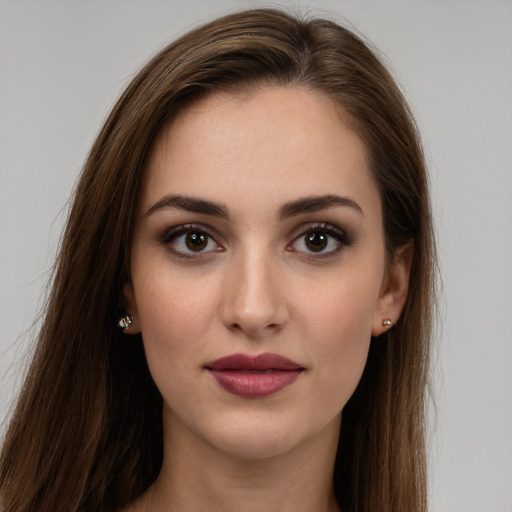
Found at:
(62, 65)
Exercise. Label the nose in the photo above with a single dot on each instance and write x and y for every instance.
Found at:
(254, 297)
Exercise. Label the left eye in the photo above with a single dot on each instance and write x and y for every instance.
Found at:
(320, 240)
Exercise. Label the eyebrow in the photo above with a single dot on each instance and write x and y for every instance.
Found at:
(190, 204)
(316, 204)
(291, 209)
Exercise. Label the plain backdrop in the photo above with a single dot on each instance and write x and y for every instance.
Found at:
(63, 64)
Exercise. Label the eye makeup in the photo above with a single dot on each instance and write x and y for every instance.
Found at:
(312, 241)
(320, 241)
(190, 241)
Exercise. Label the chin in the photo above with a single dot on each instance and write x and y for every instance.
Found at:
(264, 438)
(257, 444)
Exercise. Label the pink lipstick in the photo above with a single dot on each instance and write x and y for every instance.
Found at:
(254, 376)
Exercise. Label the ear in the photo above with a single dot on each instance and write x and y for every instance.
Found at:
(131, 308)
(394, 289)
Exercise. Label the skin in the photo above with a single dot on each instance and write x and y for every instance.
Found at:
(258, 287)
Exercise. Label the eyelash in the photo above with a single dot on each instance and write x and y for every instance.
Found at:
(341, 238)
(332, 232)
(169, 238)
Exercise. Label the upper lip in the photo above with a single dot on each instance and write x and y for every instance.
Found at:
(266, 361)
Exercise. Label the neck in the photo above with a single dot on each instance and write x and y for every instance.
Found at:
(196, 476)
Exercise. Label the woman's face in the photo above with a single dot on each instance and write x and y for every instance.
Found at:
(258, 270)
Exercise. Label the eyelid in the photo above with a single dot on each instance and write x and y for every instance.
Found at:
(340, 235)
(172, 233)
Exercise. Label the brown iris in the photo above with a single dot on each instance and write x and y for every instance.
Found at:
(316, 241)
(196, 241)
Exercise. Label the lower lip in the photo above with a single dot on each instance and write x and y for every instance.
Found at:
(255, 384)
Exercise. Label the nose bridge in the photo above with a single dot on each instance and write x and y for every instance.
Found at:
(254, 301)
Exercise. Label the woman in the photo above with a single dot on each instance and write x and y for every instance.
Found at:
(241, 308)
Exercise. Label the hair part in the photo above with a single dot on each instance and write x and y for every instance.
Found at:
(87, 430)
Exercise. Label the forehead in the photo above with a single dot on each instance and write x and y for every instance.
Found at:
(273, 143)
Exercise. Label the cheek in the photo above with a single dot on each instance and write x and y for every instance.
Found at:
(175, 313)
(339, 320)
(174, 320)
(341, 306)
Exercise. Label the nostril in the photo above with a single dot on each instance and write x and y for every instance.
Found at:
(254, 330)
(253, 310)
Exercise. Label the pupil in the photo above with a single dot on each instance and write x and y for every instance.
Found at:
(196, 241)
(316, 241)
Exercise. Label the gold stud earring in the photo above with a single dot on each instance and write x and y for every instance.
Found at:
(125, 321)
(387, 323)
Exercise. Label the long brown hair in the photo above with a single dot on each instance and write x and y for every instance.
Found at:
(87, 430)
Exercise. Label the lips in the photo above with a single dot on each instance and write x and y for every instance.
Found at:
(254, 376)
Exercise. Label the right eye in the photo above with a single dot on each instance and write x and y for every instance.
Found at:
(190, 241)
